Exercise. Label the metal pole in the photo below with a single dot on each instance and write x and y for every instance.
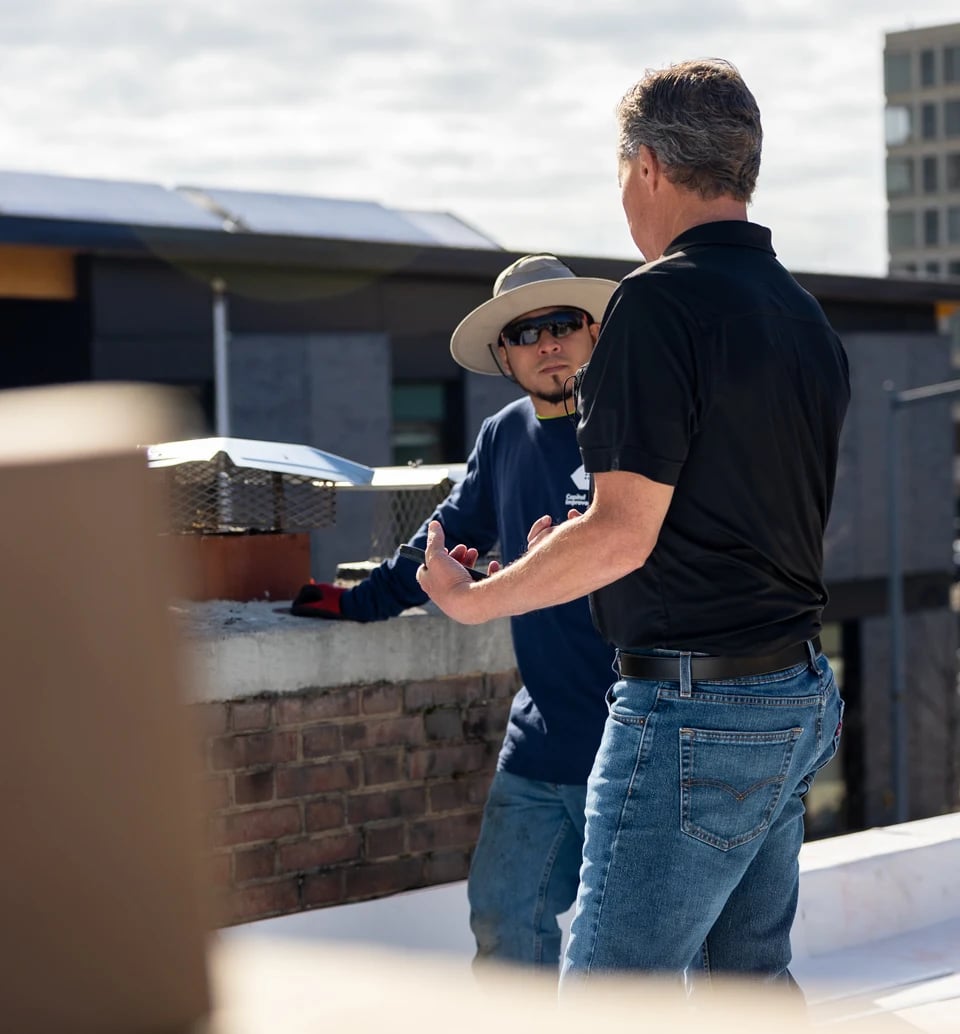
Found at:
(895, 574)
(221, 342)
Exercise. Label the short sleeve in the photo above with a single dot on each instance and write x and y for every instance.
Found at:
(638, 397)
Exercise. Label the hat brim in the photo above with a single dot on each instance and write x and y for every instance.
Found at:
(478, 332)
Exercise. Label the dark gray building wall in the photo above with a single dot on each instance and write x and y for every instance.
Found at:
(150, 321)
(933, 713)
(857, 540)
(857, 549)
(331, 391)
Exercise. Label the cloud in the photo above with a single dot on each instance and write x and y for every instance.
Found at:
(500, 111)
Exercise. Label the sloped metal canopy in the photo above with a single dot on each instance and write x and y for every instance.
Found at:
(76, 198)
(84, 200)
(424, 475)
(448, 229)
(278, 457)
(300, 215)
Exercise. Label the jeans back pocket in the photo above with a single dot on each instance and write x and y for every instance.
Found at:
(731, 782)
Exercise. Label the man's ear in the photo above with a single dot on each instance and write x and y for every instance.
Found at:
(594, 329)
(649, 167)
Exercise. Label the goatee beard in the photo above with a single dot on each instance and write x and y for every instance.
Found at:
(553, 397)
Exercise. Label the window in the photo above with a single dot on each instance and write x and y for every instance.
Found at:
(896, 73)
(951, 118)
(928, 121)
(428, 422)
(899, 176)
(953, 171)
(951, 64)
(418, 415)
(898, 125)
(931, 227)
(928, 71)
(953, 268)
(953, 224)
(900, 230)
(931, 268)
(931, 179)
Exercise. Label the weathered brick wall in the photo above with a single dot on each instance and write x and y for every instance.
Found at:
(332, 795)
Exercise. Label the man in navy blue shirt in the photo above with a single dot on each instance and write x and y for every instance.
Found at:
(538, 329)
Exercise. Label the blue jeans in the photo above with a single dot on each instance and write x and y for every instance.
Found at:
(525, 869)
(695, 822)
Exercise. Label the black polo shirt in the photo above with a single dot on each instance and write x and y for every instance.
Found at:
(715, 372)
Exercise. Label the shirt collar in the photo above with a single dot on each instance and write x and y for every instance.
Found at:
(729, 232)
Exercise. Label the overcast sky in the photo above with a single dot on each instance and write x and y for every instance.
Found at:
(500, 111)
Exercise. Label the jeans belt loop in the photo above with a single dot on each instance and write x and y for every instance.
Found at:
(812, 653)
(686, 683)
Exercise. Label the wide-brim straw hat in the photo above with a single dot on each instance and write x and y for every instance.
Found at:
(532, 282)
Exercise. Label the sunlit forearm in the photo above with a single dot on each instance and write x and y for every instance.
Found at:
(615, 536)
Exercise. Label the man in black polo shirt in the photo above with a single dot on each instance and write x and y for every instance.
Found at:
(710, 418)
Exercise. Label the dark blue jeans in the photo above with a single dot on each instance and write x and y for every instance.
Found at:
(525, 869)
(695, 822)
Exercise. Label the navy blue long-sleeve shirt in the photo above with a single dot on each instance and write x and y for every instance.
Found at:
(521, 468)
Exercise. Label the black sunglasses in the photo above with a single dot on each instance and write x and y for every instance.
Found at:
(561, 324)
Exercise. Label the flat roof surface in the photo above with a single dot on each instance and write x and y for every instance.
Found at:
(876, 940)
(899, 985)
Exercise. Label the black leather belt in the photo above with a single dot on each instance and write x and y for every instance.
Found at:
(709, 669)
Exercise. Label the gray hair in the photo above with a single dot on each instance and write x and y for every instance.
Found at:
(702, 123)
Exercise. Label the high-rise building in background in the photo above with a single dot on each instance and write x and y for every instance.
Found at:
(921, 71)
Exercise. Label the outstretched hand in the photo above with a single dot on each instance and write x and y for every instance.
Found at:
(444, 578)
(543, 528)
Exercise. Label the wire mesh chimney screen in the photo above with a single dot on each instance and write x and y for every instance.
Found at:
(400, 512)
(216, 496)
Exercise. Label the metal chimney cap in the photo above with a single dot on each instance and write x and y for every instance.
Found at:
(279, 457)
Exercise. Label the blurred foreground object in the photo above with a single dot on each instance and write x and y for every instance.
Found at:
(103, 920)
(289, 987)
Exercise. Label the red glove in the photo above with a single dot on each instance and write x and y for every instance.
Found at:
(318, 600)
